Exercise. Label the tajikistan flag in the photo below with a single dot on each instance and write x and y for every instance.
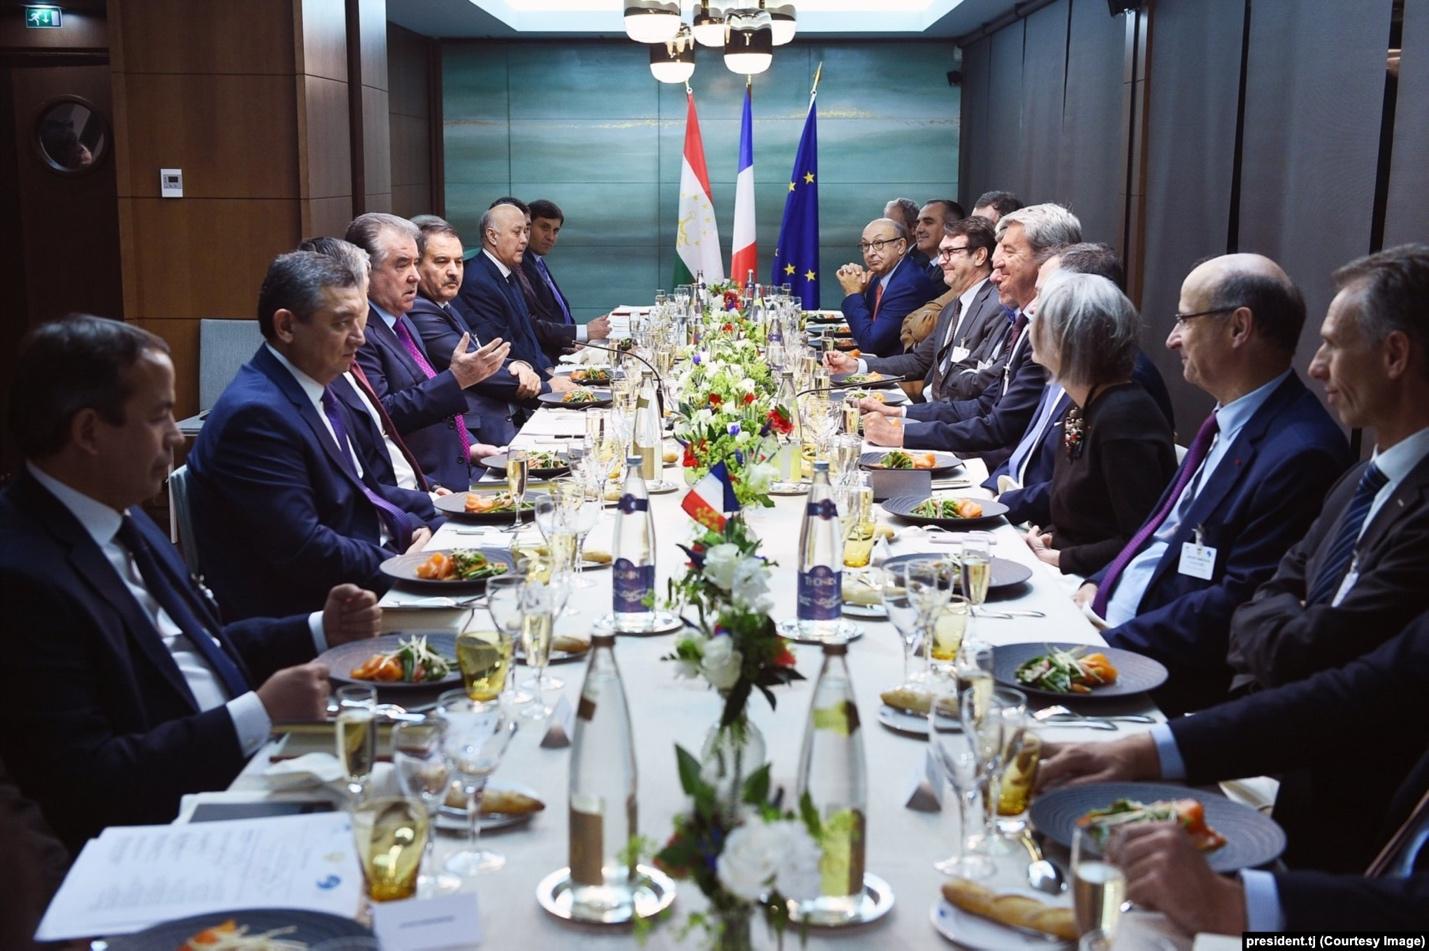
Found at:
(744, 256)
(696, 234)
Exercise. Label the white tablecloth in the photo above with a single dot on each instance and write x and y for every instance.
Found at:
(902, 843)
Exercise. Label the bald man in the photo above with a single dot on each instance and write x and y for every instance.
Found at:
(1253, 479)
(889, 284)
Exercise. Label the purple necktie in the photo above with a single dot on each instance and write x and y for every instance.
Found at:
(405, 335)
(398, 523)
(1195, 455)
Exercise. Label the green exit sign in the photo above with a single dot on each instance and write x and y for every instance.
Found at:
(42, 18)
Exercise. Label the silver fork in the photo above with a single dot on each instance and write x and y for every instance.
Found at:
(1057, 712)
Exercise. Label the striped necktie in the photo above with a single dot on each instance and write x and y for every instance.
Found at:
(555, 291)
(415, 352)
(1337, 560)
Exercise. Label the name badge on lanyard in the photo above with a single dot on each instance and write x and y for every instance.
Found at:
(1197, 561)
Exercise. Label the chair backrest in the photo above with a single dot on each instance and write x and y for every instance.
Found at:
(223, 347)
(183, 526)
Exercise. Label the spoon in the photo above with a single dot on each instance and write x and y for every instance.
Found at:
(1042, 875)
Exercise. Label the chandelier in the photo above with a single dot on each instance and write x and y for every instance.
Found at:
(748, 34)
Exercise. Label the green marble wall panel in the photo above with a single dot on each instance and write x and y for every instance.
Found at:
(585, 125)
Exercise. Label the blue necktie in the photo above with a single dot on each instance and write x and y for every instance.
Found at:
(1332, 571)
(555, 291)
(534, 355)
(167, 590)
(397, 521)
(1033, 437)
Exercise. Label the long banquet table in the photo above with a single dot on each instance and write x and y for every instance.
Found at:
(902, 843)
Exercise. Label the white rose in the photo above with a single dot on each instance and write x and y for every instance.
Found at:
(797, 871)
(748, 861)
(719, 564)
(721, 662)
(689, 668)
(750, 584)
(747, 385)
(760, 476)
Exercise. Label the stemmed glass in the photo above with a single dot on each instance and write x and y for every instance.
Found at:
(581, 511)
(843, 459)
(548, 514)
(423, 775)
(516, 472)
(953, 751)
(975, 561)
(357, 736)
(503, 602)
(992, 719)
(540, 603)
(930, 585)
(473, 742)
(903, 613)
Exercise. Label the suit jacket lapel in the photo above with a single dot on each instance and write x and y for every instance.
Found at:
(94, 570)
(283, 380)
(1409, 495)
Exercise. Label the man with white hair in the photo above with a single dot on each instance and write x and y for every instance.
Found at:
(990, 424)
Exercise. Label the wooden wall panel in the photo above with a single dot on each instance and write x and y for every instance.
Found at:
(372, 27)
(180, 36)
(376, 142)
(325, 216)
(322, 30)
(234, 136)
(325, 133)
(182, 338)
(205, 257)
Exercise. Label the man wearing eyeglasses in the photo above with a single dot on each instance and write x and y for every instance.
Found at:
(1252, 481)
(882, 292)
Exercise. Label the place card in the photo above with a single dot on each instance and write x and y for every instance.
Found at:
(559, 726)
(925, 790)
(427, 924)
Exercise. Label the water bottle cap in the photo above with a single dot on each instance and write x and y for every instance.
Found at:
(632, 460)
(821, 466)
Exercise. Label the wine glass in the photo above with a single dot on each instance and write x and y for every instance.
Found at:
(516, 475)
(903, 613)
(503, 603)
(548, 513)
(992, 719)
(952, 750)
(539, 607)
(584, 515)
(930, 585)
(474, 740)
(1098, 890)
(356, 736)
(423, 775)
(843, 459)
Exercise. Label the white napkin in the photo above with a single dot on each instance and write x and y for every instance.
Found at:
(309, 771)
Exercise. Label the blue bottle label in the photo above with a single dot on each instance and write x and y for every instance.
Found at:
(629, 504)
(828, 508)
(632, 585)
(820, 594)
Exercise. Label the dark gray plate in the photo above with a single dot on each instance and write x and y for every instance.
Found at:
(558, 399)
(341, 661)
(310, 927)
(1005, 573)
(1252, 839)
(455, 506)
(497, 463)
(1135, 673)
(903, 505)
(947, 463)
(403, 569)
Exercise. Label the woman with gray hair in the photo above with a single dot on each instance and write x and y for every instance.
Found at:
(1116, 455)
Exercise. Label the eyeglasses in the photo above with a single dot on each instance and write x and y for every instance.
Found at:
(1181, 319)
(947, 253)
(879, 245)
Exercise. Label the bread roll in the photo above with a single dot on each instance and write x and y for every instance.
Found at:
(1018, 911)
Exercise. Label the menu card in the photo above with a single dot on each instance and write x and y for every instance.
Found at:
(132, 877)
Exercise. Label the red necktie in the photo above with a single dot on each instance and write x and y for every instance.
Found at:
(404, 335)
(877, 299)
(388, 427)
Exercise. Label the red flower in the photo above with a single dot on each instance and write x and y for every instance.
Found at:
(785, 657)
(781, 424)
(728, 328)
(690, 461)
(748, 398)
(715, 399)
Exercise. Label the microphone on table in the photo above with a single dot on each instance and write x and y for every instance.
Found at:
(878, 384)
(659, 382)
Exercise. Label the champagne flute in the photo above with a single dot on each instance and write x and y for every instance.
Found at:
(391, 836)
(953, 752)
(537, 619)
(503, 603)
(517, 463)
(930, 585)
(473, 742)
(548, 513)
(843, 460)
(976, 563)
(1098, 889)
(423, 775)
(994, 720)
(859, 526)
(357, 736)
(595, 422)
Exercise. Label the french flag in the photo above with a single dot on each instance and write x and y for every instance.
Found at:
(744, 256)
(711, 498)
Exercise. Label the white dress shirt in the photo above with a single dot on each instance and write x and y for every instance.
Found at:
(1396, 463)
(250, 720)
(1230, 420)
(401, 469)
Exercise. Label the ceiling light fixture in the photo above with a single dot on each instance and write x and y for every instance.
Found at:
(749, 48)
(782, 22)
(651, 21)
(674, 61)
(708, 24)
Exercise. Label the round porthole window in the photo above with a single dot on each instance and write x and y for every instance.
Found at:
(72, 136)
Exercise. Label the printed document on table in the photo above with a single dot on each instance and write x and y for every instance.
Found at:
(132, 877)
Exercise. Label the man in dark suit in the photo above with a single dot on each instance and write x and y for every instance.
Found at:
(1365, 718)
(491, 294)
(282, 507)
(992, 423)
(882, 292)
(491, 405)
(928, 231)
(965, 255)
(545, 299)
(427, 406)
(1249, 486)
(125, 689)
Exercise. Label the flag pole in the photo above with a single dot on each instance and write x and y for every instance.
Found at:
(817, 73)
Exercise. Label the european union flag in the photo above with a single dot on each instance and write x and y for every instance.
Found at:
(796, 259)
